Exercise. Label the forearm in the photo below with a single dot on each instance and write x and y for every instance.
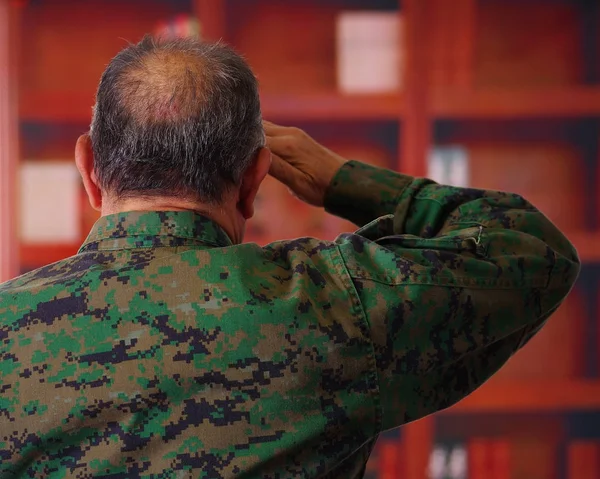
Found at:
(361, 193)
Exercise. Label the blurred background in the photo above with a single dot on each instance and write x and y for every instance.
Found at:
(501, 94)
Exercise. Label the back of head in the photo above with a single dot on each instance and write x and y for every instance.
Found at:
(175, 118)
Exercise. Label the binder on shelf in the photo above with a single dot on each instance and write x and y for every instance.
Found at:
(448, 461)
(449, 165)
(489, 458)
(499, 450)
(534, 453)
(369, 56)
(583, 460)
(437, 462)
(50, 222)
(478, 458)
(389, 460)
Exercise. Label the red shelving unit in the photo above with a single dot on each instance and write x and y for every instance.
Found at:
(457, 68)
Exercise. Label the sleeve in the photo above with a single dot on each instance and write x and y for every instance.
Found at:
(452, 281)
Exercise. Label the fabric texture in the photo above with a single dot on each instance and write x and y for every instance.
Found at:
(163, 350)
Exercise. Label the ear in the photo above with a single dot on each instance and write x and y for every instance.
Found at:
(84, 159)
(251, 182)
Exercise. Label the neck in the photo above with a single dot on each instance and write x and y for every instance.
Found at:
(225, 215)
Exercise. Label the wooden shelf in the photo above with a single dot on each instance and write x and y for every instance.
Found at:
(332, 106)
(574, 101)
(446, 104)
(77, 107)
(531, 396)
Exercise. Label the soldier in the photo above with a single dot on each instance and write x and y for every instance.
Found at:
(169, 348)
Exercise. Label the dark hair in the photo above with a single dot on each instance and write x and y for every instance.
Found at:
(175, 117)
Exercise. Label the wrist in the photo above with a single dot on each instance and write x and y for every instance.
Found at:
(360, 192)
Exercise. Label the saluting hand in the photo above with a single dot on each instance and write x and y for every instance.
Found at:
(299, 162)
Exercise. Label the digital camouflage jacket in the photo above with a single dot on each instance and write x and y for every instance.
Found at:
(162, 350)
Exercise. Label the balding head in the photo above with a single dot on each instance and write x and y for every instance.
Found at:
(176, 117)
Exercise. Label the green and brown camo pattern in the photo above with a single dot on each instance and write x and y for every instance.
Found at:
(162, 350)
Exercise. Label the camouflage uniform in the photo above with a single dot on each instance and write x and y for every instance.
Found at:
(164, 350)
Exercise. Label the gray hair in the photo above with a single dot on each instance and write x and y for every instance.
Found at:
(175, 117)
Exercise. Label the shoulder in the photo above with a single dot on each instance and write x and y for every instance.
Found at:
(287, 263)
(55, 277)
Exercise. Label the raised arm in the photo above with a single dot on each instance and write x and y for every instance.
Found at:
(452, 281)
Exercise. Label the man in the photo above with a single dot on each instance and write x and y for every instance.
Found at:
(168, 348)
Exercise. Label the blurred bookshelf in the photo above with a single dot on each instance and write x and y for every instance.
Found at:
(566, 102)
(514, 83)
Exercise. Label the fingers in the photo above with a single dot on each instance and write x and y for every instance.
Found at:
(282, 142)
(286, 142)
(300, 163)
(271, 129)
(283, 171)
(282, 146)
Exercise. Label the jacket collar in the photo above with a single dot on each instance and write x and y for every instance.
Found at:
(142, 229)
